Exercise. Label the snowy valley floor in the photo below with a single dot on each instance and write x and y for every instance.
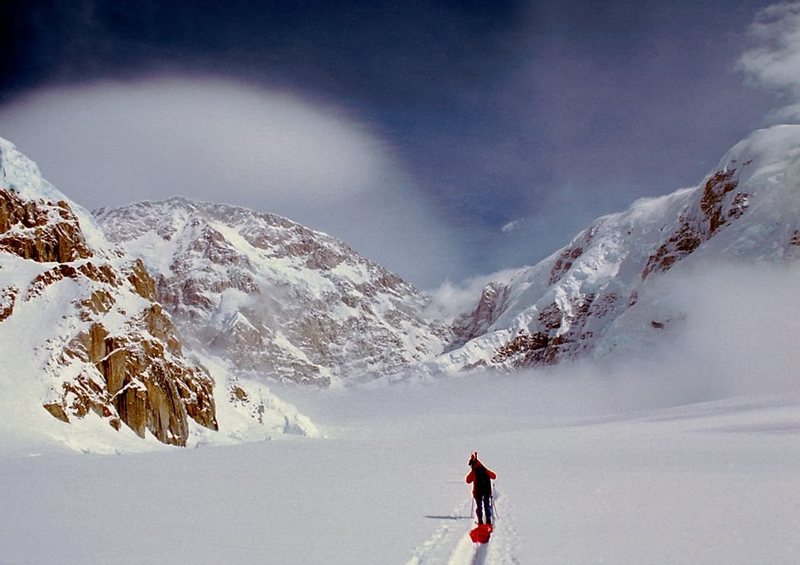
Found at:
(582, 478)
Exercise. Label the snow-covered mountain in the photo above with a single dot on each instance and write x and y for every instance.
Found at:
(272, 297)
(81, 331)
(602, 292)
(275, 298)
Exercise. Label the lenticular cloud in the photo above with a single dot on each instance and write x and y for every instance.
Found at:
(113, 143)
(180, 135)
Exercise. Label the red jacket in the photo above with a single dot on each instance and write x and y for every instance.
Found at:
(481, 478)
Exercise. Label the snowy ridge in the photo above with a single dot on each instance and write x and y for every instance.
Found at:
(601, 292)
(22, 176)
(274, 298)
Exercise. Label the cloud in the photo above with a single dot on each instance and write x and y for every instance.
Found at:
(738, 339)
(736, 335)
(775, 62)
(154, 132)
(733, 334)
(742, 326)
(111, 143)
(510, 226)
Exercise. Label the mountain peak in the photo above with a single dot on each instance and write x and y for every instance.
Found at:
(315, 310)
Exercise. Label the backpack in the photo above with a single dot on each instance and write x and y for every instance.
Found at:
(483, 484)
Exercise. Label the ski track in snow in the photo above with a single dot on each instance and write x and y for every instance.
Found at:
(451, 544)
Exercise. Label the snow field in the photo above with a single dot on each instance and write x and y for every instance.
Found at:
(579, 481)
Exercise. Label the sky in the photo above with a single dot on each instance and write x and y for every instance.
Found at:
(446, 140)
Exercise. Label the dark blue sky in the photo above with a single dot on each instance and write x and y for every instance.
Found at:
(546, 114)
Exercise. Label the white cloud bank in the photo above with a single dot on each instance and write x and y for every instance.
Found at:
(738, 339)
(742, 328)
(112, 143)
(775, 62)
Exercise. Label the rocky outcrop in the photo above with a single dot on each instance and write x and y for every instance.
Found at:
(719, 204)
(119, 345)
(562, 332)
(41, 231)
(569, 255)
(144, 382)
(8, 296)
(491, 305)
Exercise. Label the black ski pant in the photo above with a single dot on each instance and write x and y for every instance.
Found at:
(483, 502)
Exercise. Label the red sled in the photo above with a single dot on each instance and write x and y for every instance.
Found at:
(481, 534)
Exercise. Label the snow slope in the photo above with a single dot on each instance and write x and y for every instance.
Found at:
(580, 480)
(605, 291)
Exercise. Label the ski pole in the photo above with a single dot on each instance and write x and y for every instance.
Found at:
(494, 508)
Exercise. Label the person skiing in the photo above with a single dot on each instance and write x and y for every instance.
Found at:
(481, 479)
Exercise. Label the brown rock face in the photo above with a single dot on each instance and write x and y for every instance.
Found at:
(699, 224)
(8, 297)
(143, 381)
(491, 306)
(134, 374)
(142, 282)
(41, 231)
(569, 255)
(560, 332)
(527, 348)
